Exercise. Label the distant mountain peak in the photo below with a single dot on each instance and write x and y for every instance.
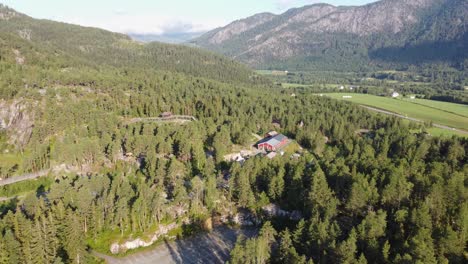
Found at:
(339, 33)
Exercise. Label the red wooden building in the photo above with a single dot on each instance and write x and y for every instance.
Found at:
(273, 143)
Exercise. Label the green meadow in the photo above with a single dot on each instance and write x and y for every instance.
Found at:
(458, 109)
(437, 112)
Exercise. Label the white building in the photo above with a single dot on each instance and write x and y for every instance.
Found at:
(395, 94)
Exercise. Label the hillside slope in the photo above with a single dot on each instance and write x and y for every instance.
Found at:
(323, 36)
(66, 45)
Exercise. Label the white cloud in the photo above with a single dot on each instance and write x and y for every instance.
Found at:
(144, 24)
(122, 20)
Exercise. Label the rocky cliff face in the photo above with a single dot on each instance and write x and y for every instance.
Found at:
(238, 27)
(7, 13)
(17, 121)
(317, 29)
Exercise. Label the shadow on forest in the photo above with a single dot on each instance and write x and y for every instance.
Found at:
(425, 52)
(8, 205)
(213, 247)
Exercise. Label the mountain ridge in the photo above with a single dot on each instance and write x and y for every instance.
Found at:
(340, 33)
(66, 44)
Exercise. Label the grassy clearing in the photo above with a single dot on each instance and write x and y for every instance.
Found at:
(104, 240)
(10, 160)
(292, 147)
(458, 109)
(295, 85)
(269, 72)
(407, 108)
(25, 187)
(439, 132)
(327, 85)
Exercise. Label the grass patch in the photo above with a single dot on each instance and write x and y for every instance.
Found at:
(295, 85)
(326, 85)
(271, 72)
(24, 187)
(292, 147)
(453, 108)
(406, 108)
(10, 163)
(104, 240)
(439, 132)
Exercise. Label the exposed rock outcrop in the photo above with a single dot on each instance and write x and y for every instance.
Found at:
(273, 210)
(18, 57)
(163, 230)
(17, 120)
(6, 13)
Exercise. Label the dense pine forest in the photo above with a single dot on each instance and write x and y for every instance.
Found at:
(386, 195)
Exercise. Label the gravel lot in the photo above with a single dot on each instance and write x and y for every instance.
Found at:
(211, 247)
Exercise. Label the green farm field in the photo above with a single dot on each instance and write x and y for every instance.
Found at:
(435, 131)
(458, 109)
(440, 113)
(296, 85)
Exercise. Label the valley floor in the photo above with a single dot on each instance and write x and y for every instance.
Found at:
(459, 131)
(448, 116)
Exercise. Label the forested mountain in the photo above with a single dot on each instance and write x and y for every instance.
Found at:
(384, 34)
(366, 188)
(71, 45)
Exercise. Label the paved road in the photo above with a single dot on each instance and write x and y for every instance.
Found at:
(413, 119)
(211, 247)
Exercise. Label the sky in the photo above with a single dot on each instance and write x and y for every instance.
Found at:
(157, 16)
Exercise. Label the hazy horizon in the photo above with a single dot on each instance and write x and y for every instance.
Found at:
(157, 17)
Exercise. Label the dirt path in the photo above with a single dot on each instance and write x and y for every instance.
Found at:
(24, 177)
(413, 119)
(211, 247)
(174, 119)
(4, 199)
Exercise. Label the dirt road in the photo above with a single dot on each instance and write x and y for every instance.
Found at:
(24, 177)
(211, 247)
(173, 118)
